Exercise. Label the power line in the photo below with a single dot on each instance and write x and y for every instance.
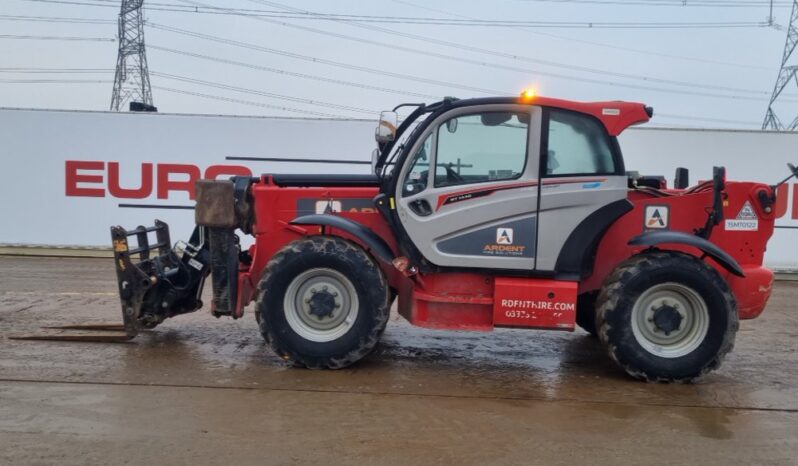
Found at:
(264, 93)
(516, 57)
(358, 85)
(66, 38)
(259, 48)
(696, 118)
(55, 19)
(493, 66)
(674, 3)
(648, 53)
(55, 81)
(444, 21)
(245, 102)
(291, 73)
(505, 55)
(55, 70)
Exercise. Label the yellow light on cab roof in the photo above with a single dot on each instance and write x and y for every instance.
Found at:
(528, 93)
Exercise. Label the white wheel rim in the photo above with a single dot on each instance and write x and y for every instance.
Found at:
(319, 291)
(657, 328)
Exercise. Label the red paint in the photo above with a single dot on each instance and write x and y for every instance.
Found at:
(781, 200)
(628, 113)
(189, 173)
(688, 212)
(76, 174)
(467, 300)
(143, 191)
(794, 201)
(753, 291)
(540, 303)
(454, 301)
(105, 178)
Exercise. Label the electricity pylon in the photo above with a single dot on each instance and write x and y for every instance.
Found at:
(132, 81)
(787, 74)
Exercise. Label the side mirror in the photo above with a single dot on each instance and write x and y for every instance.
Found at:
(451, 125)
(386, 128)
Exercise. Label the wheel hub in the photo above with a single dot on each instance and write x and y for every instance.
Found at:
(322, 304)
(670, 320)
(667, 319)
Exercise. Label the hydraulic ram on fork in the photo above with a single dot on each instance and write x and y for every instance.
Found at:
(157, 281)
(152, 289)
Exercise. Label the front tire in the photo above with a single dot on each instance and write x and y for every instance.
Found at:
(666, 317)
(323, 303)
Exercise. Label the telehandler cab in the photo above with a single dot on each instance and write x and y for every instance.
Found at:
(479, 213)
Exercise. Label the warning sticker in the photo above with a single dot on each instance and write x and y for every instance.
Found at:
(746, 219)
(657, 217)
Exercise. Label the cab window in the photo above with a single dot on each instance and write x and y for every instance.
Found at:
(490, 146)
(416, 178)
(578, 145)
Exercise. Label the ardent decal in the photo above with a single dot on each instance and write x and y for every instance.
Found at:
(511, 238)
(447, 199)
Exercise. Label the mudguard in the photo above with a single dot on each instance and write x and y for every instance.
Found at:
(653, 238)
(377, 245)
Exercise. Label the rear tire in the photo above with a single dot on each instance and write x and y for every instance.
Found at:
(323, 303)
(666, 317)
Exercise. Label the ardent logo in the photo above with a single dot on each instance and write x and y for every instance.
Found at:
(500, 248)
(656, 217)
(504, 244)
(328, 207)
(504, 236)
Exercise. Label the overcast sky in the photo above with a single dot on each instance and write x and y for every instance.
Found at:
(718, 77)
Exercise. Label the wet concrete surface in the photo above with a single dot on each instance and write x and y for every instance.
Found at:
(200, 390)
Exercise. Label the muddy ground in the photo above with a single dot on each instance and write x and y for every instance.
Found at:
(198, 390)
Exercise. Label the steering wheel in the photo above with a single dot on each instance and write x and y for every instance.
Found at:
(451, 175)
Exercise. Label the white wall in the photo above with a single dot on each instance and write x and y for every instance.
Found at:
(35, 145)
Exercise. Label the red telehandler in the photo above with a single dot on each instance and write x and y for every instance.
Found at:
(479, 213)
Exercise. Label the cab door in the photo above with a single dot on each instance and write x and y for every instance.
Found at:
(468, 194)
(584, 187)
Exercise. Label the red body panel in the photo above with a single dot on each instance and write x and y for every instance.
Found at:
(615, 115)
(277, 206)
(688, 211)
(471, 301)
(454, 301)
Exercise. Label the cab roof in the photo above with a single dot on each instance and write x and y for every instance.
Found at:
(616, 115)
